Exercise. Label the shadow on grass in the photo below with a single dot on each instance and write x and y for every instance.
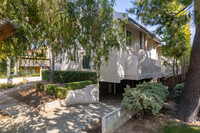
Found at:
(173, 127)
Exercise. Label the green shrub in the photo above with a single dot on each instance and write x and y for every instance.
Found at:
(61, 92)
(58, 91)
(78, 85)
(39, 86)
(69, 76)
(50, 89)
(178, 89)
(6, 86)
(146, 96)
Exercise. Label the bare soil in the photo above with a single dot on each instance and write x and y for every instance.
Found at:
(150, 123)
(95, 129)
(4, 115)
(31, 96)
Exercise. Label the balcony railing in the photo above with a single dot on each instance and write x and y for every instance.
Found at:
(33, 63)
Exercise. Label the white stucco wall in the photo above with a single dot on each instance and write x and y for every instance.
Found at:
(20, 80)
(89, 94)
(113, 120)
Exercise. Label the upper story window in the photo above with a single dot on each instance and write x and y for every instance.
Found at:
(128, 38)
(86, 62)
(141, 40)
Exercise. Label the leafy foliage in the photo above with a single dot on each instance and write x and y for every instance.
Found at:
(178, 89)
(50, 89)
(146, 96)
(172, 21)
(78, 85)
(39, 86)
(69, 76)
(64, 27)
(61, 92)
(58, 91)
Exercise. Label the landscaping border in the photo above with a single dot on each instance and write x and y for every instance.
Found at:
(89, 94)
(113, 120)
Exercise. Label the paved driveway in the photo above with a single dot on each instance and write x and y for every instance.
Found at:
(66, 119)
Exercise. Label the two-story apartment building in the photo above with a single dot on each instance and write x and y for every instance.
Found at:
(140, 60)
(32, 64)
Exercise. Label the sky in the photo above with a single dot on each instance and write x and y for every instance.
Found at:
(122, 5)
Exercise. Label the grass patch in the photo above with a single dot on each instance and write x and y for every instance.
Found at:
(174, 128)
(5, 86)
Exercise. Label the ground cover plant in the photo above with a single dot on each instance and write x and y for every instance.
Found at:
(146, 96)
(178, 89)
(5, 86)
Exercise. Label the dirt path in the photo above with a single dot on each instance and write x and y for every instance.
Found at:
(31, 96)
(150, 124)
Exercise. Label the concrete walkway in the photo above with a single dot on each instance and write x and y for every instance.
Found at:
(70, 119)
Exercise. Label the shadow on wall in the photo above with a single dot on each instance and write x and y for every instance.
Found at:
(63, 63)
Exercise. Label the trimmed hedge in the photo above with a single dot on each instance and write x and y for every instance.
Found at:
(78, 85)
(58, 91)
(61, 92)
(39, 86)
(50, 89)
(69, 76)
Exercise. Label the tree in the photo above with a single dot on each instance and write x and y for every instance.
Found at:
(190, 100)
(156, 12)
(64, 27)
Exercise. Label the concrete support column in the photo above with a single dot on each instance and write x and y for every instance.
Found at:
(115, 88)
(109, 88)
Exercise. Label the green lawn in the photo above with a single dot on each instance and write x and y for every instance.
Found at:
(5, 86)
(173, 128)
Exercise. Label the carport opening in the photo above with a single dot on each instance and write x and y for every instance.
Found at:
(113, 91)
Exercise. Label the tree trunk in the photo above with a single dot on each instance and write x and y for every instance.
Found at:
(8, 70)
(190, 99)
(51, 64)
(176, 71)
(173, 77)
(15, 66)
(183, 68)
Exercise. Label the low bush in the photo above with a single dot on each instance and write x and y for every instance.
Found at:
(58, 91)
(146, 96)
(178, 89)
(50, 89)
(61, 92)
(39, 86)
(69, 76)
(6, 86)
(78, 85)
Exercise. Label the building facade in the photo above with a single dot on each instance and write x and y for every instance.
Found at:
(141, 59)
